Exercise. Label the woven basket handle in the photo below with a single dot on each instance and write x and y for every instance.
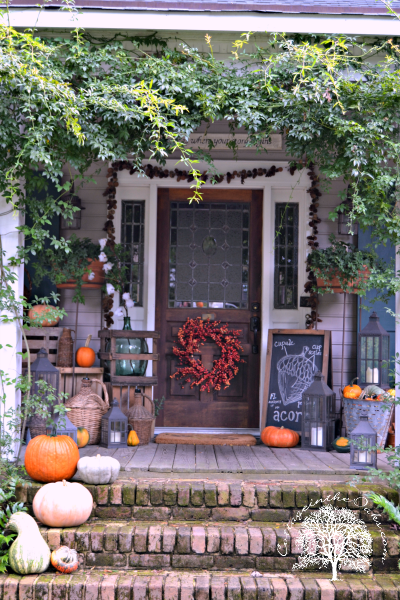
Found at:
(105, 404)
(153, 410)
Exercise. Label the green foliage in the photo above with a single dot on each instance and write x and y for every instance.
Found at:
(7, 508)
(388, 506)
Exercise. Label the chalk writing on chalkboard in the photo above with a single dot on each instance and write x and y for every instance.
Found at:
(293, 358)
(296, 374)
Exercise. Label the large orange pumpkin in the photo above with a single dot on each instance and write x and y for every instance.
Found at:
(279, 437)
(51, 458)
(352, 391)
(85, 356)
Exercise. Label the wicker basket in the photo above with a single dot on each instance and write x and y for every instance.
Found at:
(87, 409)
(141, 420)
(379, 417)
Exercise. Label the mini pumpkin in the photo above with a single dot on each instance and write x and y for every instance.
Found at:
(83, 437)
(133, 439)
(62, 504)
(392, 392)
(341, 444)
(65, 559)
(279, 437)
(85, 356)
(351, 390)
(51, 458)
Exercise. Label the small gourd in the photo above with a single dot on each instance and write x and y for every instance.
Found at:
(29, 553)
(98, 469)
(352, 391)
(372, 390)
(133, 439)
(392, 392)
(65, 559)
(82, 437)
(341, 444)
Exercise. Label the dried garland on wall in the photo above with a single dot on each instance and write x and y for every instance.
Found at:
(181, 175)
(191, 336)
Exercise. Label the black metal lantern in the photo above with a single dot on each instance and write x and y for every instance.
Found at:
(373, 354)
(42, 369)
(362, 438)
(114, 427)
(318, 416)
(63, 426)
(75, 222)
(347, 226)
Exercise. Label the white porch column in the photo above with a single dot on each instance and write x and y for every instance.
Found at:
(397, 341)
(10, 361)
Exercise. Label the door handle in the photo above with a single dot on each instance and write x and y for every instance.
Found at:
(255, 325)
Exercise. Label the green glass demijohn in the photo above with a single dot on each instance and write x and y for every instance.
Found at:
(129, 346)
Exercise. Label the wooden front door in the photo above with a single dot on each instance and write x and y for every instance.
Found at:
(209, 264)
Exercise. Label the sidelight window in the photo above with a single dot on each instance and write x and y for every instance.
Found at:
(132, 239)
(286, 255)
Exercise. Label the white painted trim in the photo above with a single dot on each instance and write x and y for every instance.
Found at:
(237, 22)
(135, 186)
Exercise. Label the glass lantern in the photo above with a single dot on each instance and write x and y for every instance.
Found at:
(114, 427)
(42, 369)
(134, 368)
(345, 225)
(362, 437)
(63, 426)
(75, 222)
(318, 416)
(373, 355)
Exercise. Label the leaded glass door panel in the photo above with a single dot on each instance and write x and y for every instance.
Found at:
(209, 265)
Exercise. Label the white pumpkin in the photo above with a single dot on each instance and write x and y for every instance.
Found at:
(63, 504)
(97, 469)
(28, 553)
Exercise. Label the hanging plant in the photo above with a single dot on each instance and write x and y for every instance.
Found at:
(194, 334)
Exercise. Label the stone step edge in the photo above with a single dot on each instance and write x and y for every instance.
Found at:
(85, 585)
(173, 494)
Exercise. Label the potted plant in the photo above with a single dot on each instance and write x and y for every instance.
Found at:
(342, 268)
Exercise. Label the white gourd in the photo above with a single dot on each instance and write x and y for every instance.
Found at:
(29, 553)
(97, 469)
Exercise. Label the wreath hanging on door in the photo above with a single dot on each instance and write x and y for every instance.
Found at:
(193, 334)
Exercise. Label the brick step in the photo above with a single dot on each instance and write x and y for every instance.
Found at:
(214, 500)
(187, 546)
(129, 585)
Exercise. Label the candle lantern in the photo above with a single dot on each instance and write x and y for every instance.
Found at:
(345, 225)
(114, 427)
(373, 355)
(63, 426)
(75, 222)
(318, 416)
(362, 438)
(42, 369)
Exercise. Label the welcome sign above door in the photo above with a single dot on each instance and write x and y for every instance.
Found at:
(221, 141)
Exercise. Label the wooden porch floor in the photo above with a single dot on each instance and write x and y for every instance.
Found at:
(261, 460)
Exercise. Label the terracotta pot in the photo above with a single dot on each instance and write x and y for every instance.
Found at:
(335, 286)
(42, 309)
(94, 284)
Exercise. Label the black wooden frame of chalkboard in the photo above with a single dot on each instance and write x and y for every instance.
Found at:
(326, 353)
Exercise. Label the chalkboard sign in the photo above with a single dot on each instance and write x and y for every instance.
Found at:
(293, 358)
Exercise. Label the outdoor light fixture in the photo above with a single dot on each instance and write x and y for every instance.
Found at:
(362, 438)
(347, 226)
(318, 416)
(63, 426)
(373, 354)
(75, 222)
(42, 369)
(114, 427)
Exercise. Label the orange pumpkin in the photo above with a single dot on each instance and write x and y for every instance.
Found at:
(65, 559)
(279, 437)
(352, 391)
(85, 356)
(83, 437)
(51, 458)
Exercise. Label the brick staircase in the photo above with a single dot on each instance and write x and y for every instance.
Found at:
(205, 540)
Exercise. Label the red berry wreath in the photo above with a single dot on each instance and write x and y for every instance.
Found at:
(194, 333)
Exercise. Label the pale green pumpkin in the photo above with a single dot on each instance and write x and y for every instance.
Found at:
(29, 553)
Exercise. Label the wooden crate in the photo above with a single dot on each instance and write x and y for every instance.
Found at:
(42, 337)
(66, 378)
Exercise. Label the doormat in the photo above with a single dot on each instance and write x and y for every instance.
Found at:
(207, 439)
